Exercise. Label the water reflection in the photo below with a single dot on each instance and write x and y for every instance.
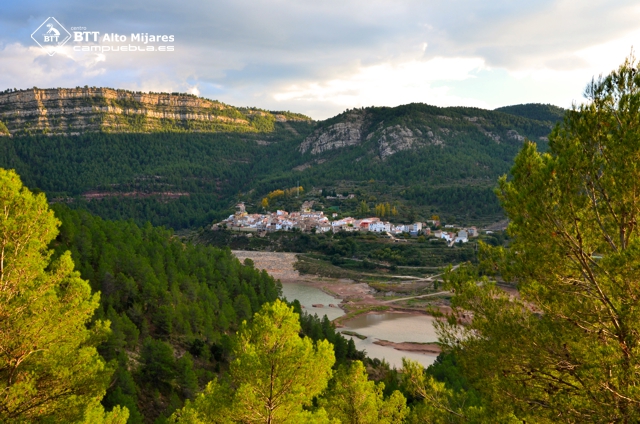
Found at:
(395, 327)
(391, 355)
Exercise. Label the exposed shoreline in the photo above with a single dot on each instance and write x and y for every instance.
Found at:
(427, 348)
(353, 297)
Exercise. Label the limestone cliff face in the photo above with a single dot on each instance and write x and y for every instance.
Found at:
(357, 128)
(73, 111)
(336, 136)
(384, 132)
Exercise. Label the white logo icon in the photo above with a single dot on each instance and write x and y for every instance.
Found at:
(51, 35)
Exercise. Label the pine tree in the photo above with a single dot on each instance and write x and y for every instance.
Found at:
(568, 348)
(275, 374)
(49, 367)
(353, 399)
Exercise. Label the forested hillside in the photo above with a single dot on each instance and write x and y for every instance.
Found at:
(178, 180)
(163, 298)
(172, 308)
(539, 112)
(110, 322)
(423, 159)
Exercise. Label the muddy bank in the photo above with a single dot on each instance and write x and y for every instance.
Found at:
(430, 348)
(278, 264)
(355, 296)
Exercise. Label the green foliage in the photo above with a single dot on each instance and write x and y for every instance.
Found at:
(262, 122)
(567, 348)
(3, 129)
(162, 297)
(275, 374)
(363, 209)
(341, 247)
(158, 362)
(186, 180)
(291, 116)
(97, 415)
(353, 399)
(211, 406)
(322, 329)
(436, 402)
(172, 179)
(49, 366)
(537, 111)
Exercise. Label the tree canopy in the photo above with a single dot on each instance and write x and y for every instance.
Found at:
(567, 347)
(275, 374)
(50, 369)
(354, 399)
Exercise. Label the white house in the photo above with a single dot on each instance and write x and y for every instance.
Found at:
(462, 236)
(447, 236)
(323, 227)
(402, 228)
(380, 227)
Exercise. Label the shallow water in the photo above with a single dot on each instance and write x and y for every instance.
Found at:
(308, 296)
(394, 327)
(391, 355)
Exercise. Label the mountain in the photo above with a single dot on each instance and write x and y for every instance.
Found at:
(182, 161)
(387, 131)
(432, 160)
(90, 109)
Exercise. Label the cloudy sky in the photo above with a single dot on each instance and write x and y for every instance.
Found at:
(321, 57)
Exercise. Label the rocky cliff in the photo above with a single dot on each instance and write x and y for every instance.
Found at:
(386, 131)
(90, 109)
(335, 136)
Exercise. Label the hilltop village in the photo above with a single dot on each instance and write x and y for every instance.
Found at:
(308, 220)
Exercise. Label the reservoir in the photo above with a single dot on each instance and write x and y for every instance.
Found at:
(394, 327)
(308, 296)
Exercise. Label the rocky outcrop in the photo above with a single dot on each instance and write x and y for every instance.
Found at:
(395, 139)
(356, 129)
(89, 109)
(513, 134)
(383, 131)
(335, 136)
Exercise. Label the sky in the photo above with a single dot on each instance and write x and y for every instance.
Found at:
(322, 57)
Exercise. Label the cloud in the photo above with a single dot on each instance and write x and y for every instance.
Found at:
(321, 57)
(390, 85)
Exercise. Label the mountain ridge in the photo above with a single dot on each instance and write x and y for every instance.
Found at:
(420, 158)
(71, 111)
(416, 125)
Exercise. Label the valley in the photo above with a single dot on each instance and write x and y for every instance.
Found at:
(356, 302)
(144, 185)
(184, 162)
